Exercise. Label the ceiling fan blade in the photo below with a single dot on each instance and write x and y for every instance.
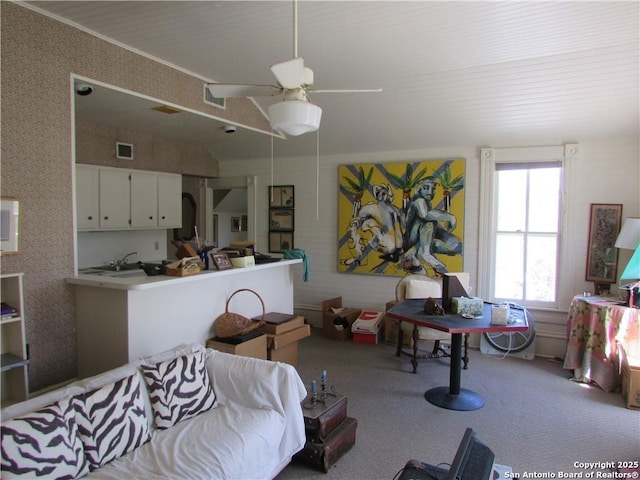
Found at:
(290, 74)
(226, 90)
(355, 90)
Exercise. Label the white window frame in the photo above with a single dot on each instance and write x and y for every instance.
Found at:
(567, 155)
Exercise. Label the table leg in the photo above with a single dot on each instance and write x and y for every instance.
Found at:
(400, 339)
(453, 397)
(414, 359)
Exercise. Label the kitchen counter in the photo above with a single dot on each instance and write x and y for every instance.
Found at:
(120, 319)
(138, 280)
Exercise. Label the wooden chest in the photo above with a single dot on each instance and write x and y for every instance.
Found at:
(326, 453)
(321, 420)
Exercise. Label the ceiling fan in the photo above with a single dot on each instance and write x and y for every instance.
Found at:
(295, 114)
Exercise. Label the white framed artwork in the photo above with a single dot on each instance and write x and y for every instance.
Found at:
(9, 225)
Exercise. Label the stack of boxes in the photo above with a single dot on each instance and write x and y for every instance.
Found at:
(283, 332)
(277, 340)
(366, 328)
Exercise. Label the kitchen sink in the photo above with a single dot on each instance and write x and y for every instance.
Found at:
(120, 268)
(123, 273)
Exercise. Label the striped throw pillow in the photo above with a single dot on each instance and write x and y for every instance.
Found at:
(179, 389)
(112, 420)
(43, 443)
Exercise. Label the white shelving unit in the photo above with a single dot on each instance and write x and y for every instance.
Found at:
(14, 360)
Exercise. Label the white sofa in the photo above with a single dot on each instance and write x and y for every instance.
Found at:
(157, 418)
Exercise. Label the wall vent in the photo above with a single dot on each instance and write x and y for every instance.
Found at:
(215, 101)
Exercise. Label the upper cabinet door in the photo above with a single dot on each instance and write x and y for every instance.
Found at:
(87, 197)
(114, 198)
(144, 199)
(169, 200)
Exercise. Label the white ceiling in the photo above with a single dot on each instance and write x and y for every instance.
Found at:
(453, 73)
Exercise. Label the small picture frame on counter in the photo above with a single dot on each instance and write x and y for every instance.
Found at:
(221, 261)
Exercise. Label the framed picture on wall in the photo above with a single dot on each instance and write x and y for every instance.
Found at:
(281, 219)
(9, 223)
(602, 255)
(235, 224)
(280, 241)
(282, 196)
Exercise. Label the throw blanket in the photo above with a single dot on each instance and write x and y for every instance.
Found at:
(306, 262)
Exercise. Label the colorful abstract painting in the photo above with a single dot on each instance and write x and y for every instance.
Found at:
(400, 218)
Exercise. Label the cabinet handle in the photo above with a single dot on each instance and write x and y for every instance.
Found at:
(150, 218)
(163, 217)
(106, 218)
(89, 218)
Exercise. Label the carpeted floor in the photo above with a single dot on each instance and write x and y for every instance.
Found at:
(535, 419)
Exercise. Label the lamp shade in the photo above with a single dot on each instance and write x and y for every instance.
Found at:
(295, 117)
(629, 236)
(632, 270)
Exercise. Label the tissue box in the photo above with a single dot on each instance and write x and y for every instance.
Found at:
(467, 306)
(499, 314)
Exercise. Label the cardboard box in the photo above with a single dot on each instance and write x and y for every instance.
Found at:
(275, 342)
(284, 347)
(278, 323)
(367, 322)
(630, 379)
(391, 329)
(368, 338)
(255, 347)
(341, 331)
(288, 354)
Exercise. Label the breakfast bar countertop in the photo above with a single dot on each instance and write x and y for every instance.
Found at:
(141, 281)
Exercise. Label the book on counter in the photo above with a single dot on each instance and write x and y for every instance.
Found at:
(277, 323)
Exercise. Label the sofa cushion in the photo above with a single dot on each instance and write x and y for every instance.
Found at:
(112, 420)
(179, 388)
(43, 443)
(227, 442)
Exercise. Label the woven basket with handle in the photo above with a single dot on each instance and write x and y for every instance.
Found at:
(231, 324)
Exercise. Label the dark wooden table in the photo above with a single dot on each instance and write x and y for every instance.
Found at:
(453, 397)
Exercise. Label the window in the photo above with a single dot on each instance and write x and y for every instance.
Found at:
(521, 225)
(527, 204)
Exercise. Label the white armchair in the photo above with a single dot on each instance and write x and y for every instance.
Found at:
(421, 286)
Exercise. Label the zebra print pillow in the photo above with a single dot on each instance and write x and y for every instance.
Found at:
(112, 420)
(179, 389)
(43, 443)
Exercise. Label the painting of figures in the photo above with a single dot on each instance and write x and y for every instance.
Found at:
(403, 217)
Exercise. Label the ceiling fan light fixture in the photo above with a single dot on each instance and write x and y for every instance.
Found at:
(294, 117)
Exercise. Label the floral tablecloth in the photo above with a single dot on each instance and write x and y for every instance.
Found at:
(595, 328)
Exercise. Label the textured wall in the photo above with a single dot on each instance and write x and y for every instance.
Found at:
(38, 56)
(95, 145)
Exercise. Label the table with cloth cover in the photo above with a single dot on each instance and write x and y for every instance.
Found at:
(596, 327)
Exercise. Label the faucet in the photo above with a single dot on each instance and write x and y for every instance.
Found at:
(123, 261)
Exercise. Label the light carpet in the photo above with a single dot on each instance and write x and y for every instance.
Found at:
(535, 419)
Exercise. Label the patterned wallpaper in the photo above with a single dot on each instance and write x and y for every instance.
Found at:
(39, 55)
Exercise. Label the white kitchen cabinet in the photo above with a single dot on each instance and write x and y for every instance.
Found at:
(14, 358)
(110, 198)
(169, 200)
(87, 197)
(144, 199)
(115, 198)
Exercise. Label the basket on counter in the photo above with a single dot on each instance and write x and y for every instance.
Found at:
(231, 324)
